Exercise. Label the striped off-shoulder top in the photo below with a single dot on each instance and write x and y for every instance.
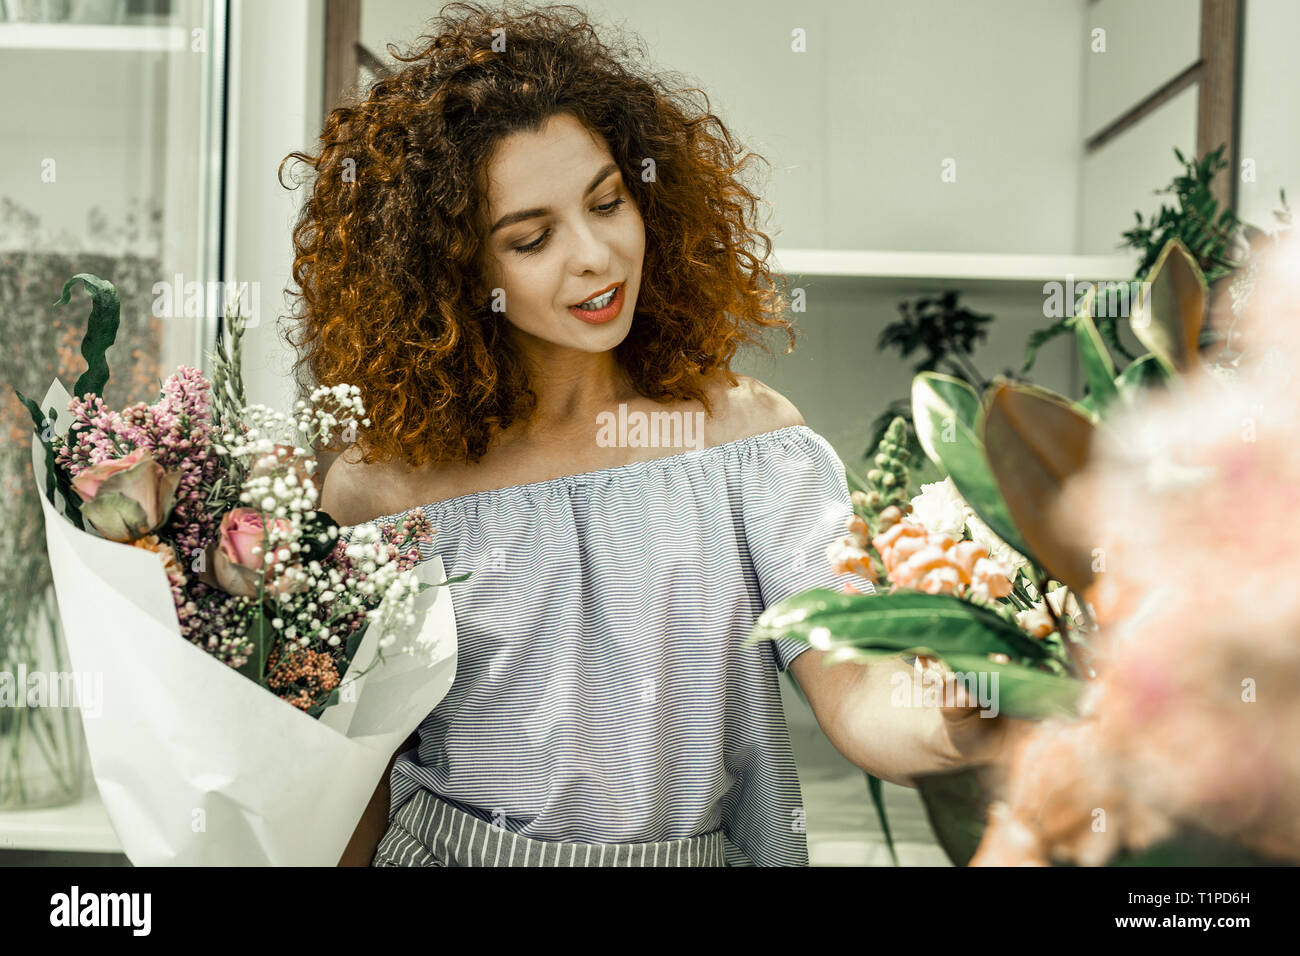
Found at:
(602, 693)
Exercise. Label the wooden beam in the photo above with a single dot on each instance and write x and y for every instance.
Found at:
(1216, 108)
(369, 61)
(1148, 105)
(342, 32)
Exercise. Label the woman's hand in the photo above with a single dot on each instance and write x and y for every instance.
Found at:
(968, 735)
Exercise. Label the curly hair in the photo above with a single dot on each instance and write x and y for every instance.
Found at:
(390, 244)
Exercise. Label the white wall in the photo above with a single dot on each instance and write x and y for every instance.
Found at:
(1270, 124)
(276, 94)
(1142, 47)
(857, 127)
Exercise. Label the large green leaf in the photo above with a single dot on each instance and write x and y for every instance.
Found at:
(1098, 368)
(101, 331)
(957, 805)
(1145, 372)
(945, 411)
(55, 476)
(1023, 692)
(875, 788)
(904, 622)
(1171, 308)
(867, 627)
(1035, 443)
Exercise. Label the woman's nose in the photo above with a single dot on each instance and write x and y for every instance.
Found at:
(590, 252)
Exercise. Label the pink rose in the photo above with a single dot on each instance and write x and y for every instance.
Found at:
(127, 498)
(239, 558)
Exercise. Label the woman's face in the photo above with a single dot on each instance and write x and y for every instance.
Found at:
(562, 226)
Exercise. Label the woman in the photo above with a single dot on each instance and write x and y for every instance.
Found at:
(512, 243)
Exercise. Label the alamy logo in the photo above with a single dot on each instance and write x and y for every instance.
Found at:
(1116, 300)
(930, 687)
(207, 300)
(53, 689)
(650, 430)
(102, 909)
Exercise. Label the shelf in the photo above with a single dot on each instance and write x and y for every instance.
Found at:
(92, 37)
(81, 826)
(952, 266)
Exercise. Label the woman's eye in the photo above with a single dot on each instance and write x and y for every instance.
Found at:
(608, 209)
(532, 246)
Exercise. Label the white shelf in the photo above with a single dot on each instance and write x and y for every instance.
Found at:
(92, 37)
(81, 826)
(947, 266)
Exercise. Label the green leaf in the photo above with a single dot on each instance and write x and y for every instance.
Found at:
(878, 800)
(1171, 308)
(1040, 337)
(315, 710)
(1024, 692)
(867, 627)
(1086, 406)
(260, 637)
(1098, 367)
(1145, 372)
(1035, 442)
(354, 641)
(957, 804)
(904, 622)
(101, 330)
(945, 411)
(54, 475)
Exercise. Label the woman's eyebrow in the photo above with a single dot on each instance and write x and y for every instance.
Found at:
(511, 218)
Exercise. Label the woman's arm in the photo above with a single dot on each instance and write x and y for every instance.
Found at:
(374, 822)
(855, 705)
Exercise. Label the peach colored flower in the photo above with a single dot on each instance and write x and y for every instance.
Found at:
(165, 554)
(934, 563)
(128, 497)
(1035, 621)
(942, 580)
(964, 555)
(847, 558)
(990, 580)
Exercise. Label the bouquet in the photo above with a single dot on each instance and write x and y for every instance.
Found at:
(1188, 749)
(196, 517)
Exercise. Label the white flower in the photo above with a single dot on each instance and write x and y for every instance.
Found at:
(940, 509)
(1063, 606)
(1035, 621)
(996, 548)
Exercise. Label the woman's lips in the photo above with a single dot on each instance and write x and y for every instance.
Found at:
(600, 316)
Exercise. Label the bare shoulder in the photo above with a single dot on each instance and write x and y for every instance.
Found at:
(351, 493)
(751, 408)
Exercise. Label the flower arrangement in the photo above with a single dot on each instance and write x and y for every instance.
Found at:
(1187, 748)
(259, 662)
(981, 580)
(261, 578)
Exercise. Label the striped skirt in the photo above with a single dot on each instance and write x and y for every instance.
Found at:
(428, 831)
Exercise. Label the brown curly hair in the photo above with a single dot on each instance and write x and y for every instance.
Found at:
(389, 250)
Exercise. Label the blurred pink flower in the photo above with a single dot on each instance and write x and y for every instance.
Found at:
(1190, 509)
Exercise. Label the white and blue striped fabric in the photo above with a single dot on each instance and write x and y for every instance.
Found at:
(602, 693)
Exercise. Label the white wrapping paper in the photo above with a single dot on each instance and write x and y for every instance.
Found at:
(196, 764)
